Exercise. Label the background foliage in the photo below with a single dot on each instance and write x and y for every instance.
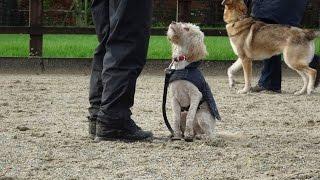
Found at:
(206, 13)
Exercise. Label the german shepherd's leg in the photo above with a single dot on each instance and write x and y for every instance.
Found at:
(305, 83)
(308, 74)
(312, 73)
(235, 67)
(194, 103)
(301, 65)
(177, 119)
(247, 71)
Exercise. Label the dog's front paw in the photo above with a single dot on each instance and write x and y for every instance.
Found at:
(176, 138)
(309, 91)
(188, 139)
(232, 83)
(243, 91)
(204, 137)
(299, 93)
(302, 91)
(189, 135)
(230, 79)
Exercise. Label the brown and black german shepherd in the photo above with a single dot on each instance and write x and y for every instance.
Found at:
(255, 40)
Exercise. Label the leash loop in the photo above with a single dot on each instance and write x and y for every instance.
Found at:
(168, 73)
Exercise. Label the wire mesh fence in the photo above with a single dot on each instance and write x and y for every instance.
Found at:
(13, 13)
(206, 13)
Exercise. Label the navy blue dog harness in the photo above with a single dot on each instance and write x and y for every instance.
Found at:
(192, 74)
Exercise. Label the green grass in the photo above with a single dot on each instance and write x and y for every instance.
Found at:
(83, 46)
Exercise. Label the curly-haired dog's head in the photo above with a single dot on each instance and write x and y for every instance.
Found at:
(187, 39)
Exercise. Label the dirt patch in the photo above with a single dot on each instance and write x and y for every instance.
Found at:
(43, 133)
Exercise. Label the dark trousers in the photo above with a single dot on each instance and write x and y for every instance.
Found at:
(123, 30)
(271, 73)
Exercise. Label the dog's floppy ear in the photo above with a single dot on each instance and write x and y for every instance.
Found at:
(197, 49)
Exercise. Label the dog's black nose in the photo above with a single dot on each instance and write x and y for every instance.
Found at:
(173, 22)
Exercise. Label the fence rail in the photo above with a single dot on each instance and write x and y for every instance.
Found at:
(90, 30)
(36, 30)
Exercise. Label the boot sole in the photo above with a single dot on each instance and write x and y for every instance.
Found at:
(124, 139)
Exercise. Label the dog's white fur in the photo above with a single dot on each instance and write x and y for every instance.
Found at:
(188, 40)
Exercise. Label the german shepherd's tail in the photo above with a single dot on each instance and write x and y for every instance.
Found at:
(312, 34)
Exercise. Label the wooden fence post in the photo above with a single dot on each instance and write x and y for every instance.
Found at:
(185, 10)
(35, 24)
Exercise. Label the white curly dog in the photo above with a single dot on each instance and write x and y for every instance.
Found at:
(188, 46)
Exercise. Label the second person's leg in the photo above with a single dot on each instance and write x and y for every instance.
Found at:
(100, 16)
(270, 78)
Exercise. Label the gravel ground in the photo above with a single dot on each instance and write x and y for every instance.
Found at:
(43, 133)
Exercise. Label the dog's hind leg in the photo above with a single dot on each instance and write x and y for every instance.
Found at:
(206, 123)
(305, 83)
(312, 73)
(235, 67)
(247, 71)
(307, 74)
(298, 58)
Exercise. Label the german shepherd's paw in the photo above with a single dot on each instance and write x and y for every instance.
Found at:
(244, 91)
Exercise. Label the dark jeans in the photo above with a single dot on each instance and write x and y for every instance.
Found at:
(271, 74)
(123, 30)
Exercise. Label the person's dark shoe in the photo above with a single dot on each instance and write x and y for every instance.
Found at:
(259, 88)
(92, 127)
(105, 133)
(137, 135)
(130, 132)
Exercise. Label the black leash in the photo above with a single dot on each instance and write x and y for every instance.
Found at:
(164, 98)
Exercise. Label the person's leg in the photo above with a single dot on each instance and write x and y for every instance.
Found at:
(315, 64)
(270, 78)
(100, 16)
(126, 51)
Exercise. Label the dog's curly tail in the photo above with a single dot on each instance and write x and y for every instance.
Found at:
(312, 34)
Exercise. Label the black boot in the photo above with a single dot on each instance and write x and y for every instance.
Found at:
(106, 133)
(259, 88)
(130, 131)
(134, 132)
(92, 127)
